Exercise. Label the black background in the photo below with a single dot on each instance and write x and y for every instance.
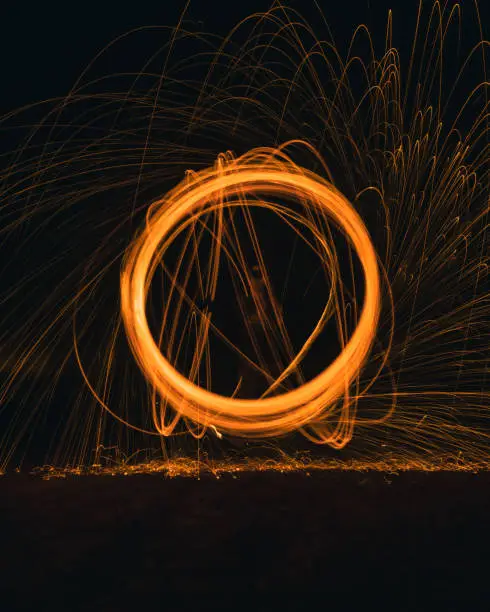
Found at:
(93, 545)
(45, 46)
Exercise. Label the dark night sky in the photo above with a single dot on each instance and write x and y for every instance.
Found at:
(43, 47)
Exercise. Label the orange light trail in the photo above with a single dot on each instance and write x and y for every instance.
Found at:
(315, 400)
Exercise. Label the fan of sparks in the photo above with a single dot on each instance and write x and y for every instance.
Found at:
(131, 216)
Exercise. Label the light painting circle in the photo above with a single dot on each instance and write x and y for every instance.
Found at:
(262, 417)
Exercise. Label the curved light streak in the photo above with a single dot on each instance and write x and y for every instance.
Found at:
(243, 181)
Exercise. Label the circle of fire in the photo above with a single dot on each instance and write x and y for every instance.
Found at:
(315, 400)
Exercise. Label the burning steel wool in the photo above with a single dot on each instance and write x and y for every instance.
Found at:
(244, 182)
(254, 244)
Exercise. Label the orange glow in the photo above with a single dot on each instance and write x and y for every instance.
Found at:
(243, 182)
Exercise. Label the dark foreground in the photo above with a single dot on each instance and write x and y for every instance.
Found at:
(330, 540)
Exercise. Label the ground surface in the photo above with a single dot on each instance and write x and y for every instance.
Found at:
(116, 543)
